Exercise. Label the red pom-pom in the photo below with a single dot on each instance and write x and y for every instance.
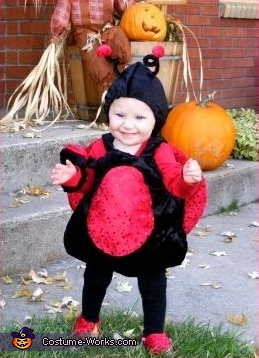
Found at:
(158, 51)
(103, 51)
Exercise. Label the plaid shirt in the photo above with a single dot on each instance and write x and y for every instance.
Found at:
(91, 14)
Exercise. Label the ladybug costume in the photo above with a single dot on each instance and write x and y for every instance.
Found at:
(128, 221)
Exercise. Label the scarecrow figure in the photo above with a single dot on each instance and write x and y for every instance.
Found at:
(92, 24)
(86, 24)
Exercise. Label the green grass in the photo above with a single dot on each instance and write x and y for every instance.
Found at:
(234, 206)
(191, 340)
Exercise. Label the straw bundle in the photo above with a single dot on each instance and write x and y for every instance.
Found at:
(40, 94)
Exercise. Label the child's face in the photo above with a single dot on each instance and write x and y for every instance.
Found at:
(131, 121)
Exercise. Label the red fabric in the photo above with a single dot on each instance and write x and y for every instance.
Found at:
(83, 326)
(91, 14)
(114, 229)
(169, 161)
(157, 343)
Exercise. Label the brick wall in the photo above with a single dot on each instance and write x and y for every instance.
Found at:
(229, 48)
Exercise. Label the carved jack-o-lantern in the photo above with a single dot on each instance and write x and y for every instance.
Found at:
(143, 21)
(23, 339)
(23, 342)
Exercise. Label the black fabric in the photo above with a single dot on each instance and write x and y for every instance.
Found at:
(96, 281)
(166, 246)
(137, 81)
(151, 287)
(153, 293)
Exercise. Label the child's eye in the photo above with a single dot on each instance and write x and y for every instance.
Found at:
(140, 117)
(120, 115)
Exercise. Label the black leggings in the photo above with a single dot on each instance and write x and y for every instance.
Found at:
(151, 287)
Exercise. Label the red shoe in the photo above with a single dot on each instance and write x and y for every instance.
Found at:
(158, 343)
(84, 327)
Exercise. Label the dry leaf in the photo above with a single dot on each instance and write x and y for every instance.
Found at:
(37, 295)
(18, 202)
(36, 190)
(66, 285)
(218, 253)
(254, 224)
(229, 234)
(205, 267)
(211, 284)
(2, 304)
(69, 302)
(254, 274)
(117, 336)
(43, 273)
(123, 287)
(23, 292)
(53, 310)
(60, 277)
(129, 333)
(238, 320)
(70, 315)
(168, 273)
(8, 280)
(32, 276)
(201, 233)
(80, 266)
(204, 232)
(185, 263)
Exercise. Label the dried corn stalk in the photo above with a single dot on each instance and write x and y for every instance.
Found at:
(41, 93)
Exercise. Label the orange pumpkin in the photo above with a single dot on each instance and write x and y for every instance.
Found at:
(143, 21)
(203, 131)
(22, 343)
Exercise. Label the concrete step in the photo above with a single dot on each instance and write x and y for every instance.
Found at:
(32, 226)
(29, 160)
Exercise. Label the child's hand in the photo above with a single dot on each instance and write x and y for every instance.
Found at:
(192, 172)
(62, 173)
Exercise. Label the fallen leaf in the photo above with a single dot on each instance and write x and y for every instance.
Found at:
(23, 292)
(52, 310)
(8, 280)
(185, 263)
(2, 304)
(60, 277)
(229, 235)
(211, 284)
(238, 320)
(80, 266)
(204, 231)
(32, 276)
(69, 302)
(69, 316)
(66, 285)
(254, 224)
(37, 295)
(254, 274)
(27, 319)
(129, 333)
(34, 190)
(168, 273)
(218, 253)
(205, 267)
(201, 233)
(43, 273)
(123, 287)
(117, 336)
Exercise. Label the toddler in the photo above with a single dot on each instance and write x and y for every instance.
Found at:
(135, 197)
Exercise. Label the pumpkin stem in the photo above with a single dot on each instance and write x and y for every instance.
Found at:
(207, 99)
